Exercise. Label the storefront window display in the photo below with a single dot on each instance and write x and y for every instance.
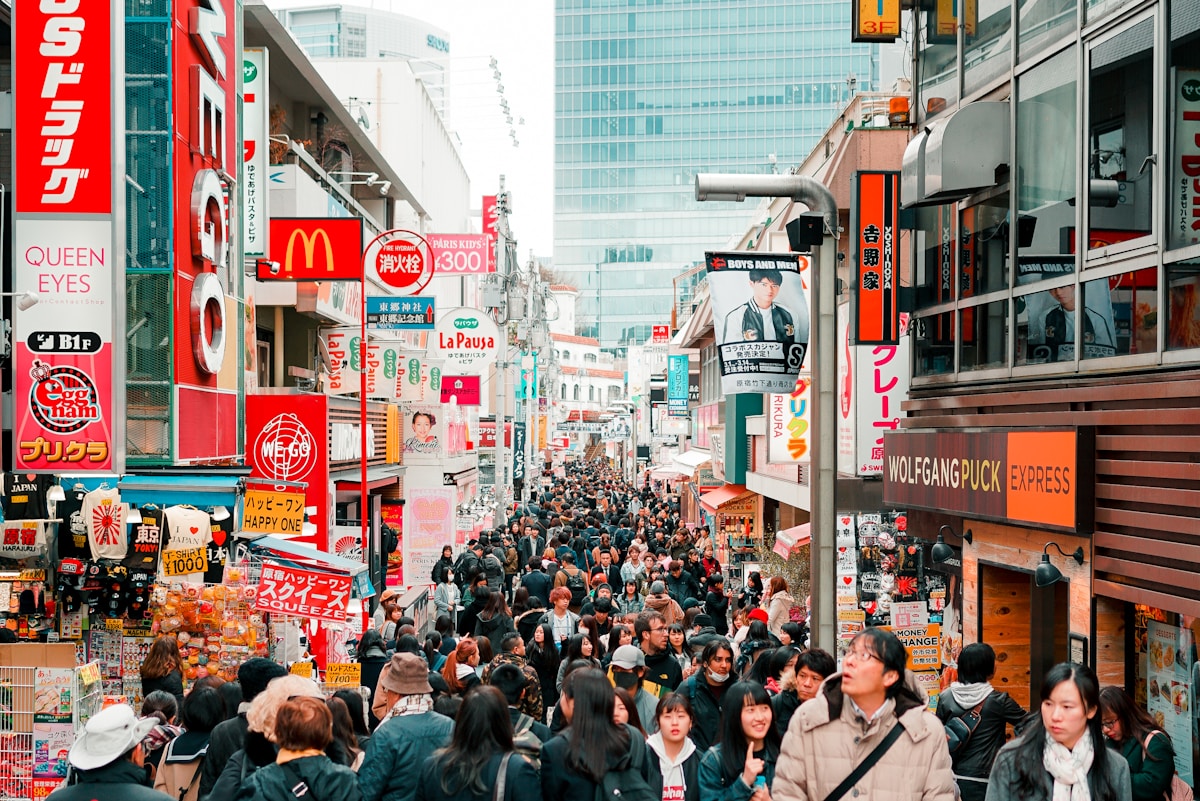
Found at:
(1167, 677)
(1183, 311)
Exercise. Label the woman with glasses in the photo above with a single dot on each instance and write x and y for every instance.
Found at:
(742, 765)
(853, 713)
(1061, 754)
(1131, 731)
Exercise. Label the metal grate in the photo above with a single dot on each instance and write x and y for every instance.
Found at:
(149, 341)
(148, 199)
(16, 732)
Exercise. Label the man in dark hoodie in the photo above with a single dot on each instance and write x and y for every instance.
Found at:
(650, 628)
(706, 691)
(228, 737)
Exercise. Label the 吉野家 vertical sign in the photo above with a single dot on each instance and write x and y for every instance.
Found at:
(876, 21)
(874, 308)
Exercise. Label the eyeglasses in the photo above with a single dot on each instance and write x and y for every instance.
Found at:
(860, 655)
(1108, 724)
(660, 628)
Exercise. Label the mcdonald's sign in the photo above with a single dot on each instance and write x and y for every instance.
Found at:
(314, 249)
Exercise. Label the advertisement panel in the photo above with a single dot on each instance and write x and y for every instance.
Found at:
(287, 439)
(467, 340)
(303, 593)
(874, 291)
(491, 226)
(876, 21)
(660, 335)
(345, 359)
(256, 151)
(461, 389)
(461, 254)
(760, 318)
(425, 433)
(314, 249)
(391, 514)
(788, 424)
(847, 395)
(429, 523)
(677, 385)
(1184, 229)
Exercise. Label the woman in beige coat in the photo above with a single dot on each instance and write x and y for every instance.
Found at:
(851, 714)
(779, 605)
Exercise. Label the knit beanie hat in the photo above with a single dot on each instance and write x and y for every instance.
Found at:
(255, 674)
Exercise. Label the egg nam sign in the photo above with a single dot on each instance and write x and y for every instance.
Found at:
(467, 339)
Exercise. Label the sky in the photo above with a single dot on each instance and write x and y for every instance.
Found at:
(519, 34)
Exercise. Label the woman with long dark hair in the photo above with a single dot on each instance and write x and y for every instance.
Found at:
(1131, 731)
(162, 669)
(744, 758)
(589, 628)
(1061, 754)
(494, 621)
(541, 653)
(752, 593)
(356, 705)
(625, 711)
(468, 769)
(578, 647)
(592, 745)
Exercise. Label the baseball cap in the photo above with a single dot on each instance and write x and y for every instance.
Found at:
(628, 657)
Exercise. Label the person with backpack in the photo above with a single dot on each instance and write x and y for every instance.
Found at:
(303, 730)
(480, 762)
(742, 765)
(976, 719)
(574, 579)
(528, 732)
(676, 771)
(706, 691)
(493, 565)
(468, 564)
(594, 756)
(1130, 731)
(180, 770)
(512, 652)
(831, 744)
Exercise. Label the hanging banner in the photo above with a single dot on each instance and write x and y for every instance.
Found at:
(788, 422)
(303, 593)
(491, 228)
(518, 453)
(429, 523)
(467, 339)
(345, 360)
(874, 292)
(1185, 162)
(872, 385)
(677, 385)
(256, 151)
(391, 514)
(760, 319)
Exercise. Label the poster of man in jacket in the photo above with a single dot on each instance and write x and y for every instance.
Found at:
(760, 319)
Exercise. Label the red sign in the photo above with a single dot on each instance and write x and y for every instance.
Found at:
(463, 388)
(487, 434)
(63, 135)
(303, 593)
(287, 439)
(661, 335)
(391, 513)
(400, 259)
(491, 227)
(462, 254)
(874, 310)
(308, 249)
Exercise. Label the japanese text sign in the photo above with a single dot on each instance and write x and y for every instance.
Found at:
(461, 254)
(268, 512)
(677, 385)
(185, 561)
(314, 249)
(876, 21)
(400, 314)
(660, 335)
(343, 674)
(303, 593)
(874, 307)
(255, 151)
(464, 389)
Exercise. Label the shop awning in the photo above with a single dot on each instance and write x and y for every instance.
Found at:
(713, 501)
(169, 490)
(797, 535)
(306, 556)
(377, 478)
(690, 460)
(666, 472)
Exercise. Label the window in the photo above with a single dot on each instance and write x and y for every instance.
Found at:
(562, 391)
(935, 255)
(566, 356)
(1183, 310)
(934, 343)
(589, 358)
(1120, 316)
(1043, 22)
(988, 43)
(984, 336)
(576, 392)
(983, 252)
(591, 393)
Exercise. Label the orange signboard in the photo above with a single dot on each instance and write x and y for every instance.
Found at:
(874, 307)
(314, 249)
(1042, 477)
(876, 20)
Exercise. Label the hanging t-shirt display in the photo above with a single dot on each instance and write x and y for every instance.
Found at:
(146, 541)
(105, 519)
(25, 496)
(21, 539)
(187, 529)
(73, 530)
(218, 549)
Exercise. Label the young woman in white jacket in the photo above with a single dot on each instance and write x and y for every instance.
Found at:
(676, 766)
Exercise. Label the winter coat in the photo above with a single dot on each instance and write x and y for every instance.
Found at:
(172, 683)
(538, 584)
(664, 671)
(666, 606)
(440, 568)
(1002, 785)
(511, 559)
(827, 739)
(683, 771)
(519, 780)
(468, 618)
(401, 743)
(716, 786)
(531, 703)
(561, 782)
(706, 708)
(493, 565)
(1150, 776)
(629, 606)
(974, 760)
(445, 599)
(326, 780)
(528, 548)
(182, 766)
(117, 781)
(683, 586)
(494, 628)
(528, 622)
(256, 753)
(225, 740)
(785, 703)
(716, 606)
(779, 611)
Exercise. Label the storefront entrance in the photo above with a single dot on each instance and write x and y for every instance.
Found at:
(1027, 626)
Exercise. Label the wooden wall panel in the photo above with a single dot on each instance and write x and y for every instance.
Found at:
(1005, 627)
(1110, 641)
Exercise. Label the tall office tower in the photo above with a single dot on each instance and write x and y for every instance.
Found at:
(650, 92)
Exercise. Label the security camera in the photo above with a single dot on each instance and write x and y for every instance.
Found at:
(272, 266)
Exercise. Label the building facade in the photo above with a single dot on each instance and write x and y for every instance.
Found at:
(647, 95)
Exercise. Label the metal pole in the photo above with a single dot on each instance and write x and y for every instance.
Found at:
(824, 502)
(501, 374)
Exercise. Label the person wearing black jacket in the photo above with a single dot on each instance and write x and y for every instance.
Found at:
(229, 737)
(446, 562)
(536, 580)
(972, 763)
(681, 584)
(706, 692)
(532, 544)
(716, 604)
(662, 669)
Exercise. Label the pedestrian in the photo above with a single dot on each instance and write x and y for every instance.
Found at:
(480, 594)
(677, 646)
(675, 774)
(874, 700)
(716, 603)
(409, 734)
(593, 751)
(229, 737)
(742, 765)
(800, 684)
(160, 705)
(1060, 756)
(630, 602)
(625, 711)
(659, 601)
(578, 647)
(973, 697)
(107, 759)
(179, 773)
(357, 706)
(751, 595)
(627, 671)
(661, 668)
(303, 729)
(495, 621)
(779, 605)
(1130, 731)
(344, 737)
(510, 681)
(757, 640)
(512, 652)
(536, 580)
(387, 599)
(443, 568)
(447, 598)
(707, 690)
(563, 622)
(162, 669)
(459, 670)
(391, 623)
(541, 652)
(479, 763)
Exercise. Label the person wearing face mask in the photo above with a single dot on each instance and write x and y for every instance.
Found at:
(627, 670)
(706, 691)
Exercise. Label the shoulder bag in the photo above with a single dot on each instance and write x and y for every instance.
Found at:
(1179, 790)
(501, 775)
(867, 763)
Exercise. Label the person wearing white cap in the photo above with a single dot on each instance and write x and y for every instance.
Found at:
(109, 760)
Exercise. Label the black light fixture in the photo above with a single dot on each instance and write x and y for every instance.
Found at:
(1046, 573)
(941, 551)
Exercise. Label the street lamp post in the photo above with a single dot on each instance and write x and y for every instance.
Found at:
(817, 197)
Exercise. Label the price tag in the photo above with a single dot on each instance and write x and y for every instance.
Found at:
(343, 674)
(185, 561)
(304, 669)
(90, 673)
(114, 624)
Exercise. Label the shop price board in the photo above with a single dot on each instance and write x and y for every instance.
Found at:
(269, 512)
(304, 669)
(343, 674)
(303, 593)
(184, 561)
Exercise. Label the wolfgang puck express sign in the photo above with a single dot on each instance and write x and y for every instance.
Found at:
(1037, 477)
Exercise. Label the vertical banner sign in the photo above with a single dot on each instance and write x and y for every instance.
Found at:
(66, 58)
(518, 453)
(677, 385)
(788, 423)
(345, 361)
(874, 312)
(491, 227)
(287, 439)
(1185, 167)
(255, 152)
(760, 318)
(391, 514)
(876, 21)
(429, 523)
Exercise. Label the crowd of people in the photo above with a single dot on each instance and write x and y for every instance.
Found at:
(591, 648)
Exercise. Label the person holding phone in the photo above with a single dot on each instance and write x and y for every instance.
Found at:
(741, 767)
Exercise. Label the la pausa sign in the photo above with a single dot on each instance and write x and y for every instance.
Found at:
(467, 339)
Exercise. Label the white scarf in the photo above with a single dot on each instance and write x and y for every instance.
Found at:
(1069, 768)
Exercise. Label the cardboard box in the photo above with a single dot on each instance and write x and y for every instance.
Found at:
(18, 668)
(35, 655)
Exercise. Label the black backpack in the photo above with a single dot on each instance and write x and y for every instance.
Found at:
(628, 784)
(577, 584)
(960, 728)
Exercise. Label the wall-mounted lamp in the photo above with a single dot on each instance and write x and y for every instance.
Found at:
(25, 300)
(220, 513)
(1046, 573)
(941, 551)
(56, 493)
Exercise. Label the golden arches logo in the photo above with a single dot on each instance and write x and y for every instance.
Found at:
(309, 243)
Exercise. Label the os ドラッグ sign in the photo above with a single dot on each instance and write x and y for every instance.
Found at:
(1034, 477)
(467, 339)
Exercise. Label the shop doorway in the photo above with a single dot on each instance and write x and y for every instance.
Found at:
(1027, 626)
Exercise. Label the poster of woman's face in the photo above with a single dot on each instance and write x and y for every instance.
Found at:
(424, 432)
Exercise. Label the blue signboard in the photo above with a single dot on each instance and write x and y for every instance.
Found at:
(400, 314)
(677, 385)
